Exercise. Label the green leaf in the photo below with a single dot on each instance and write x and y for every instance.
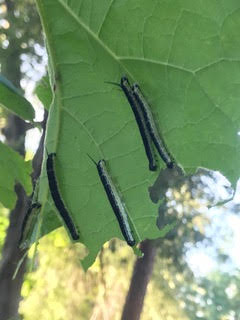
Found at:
(185, 56)
(44, 92)
(13, 169)
(12, 99)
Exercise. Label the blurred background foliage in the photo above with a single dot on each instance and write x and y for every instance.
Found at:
(196, 271)
(21, 39)
(58, 287)
(3, 225)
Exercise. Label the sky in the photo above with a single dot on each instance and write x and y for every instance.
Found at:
(224, 230)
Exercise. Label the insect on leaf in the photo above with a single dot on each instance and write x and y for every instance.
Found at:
(185, 56)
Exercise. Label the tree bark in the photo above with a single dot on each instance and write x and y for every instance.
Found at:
(15, 136)
(141, 275)
(10, 290)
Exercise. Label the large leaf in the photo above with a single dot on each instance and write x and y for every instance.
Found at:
(185, 56)
(13, 169)
(12, 99)
(44, 93)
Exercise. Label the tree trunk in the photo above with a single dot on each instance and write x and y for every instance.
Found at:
(141, 274)
(15, 137)
(10, 290)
